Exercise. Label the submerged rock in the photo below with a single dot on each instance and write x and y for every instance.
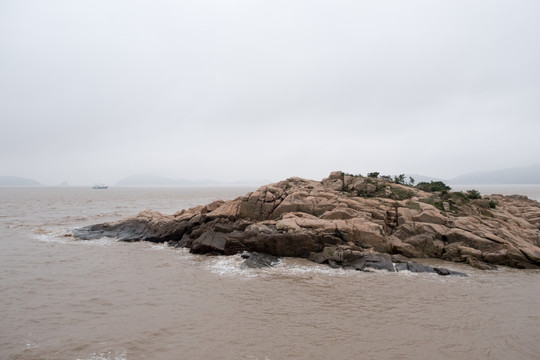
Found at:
(379, 219)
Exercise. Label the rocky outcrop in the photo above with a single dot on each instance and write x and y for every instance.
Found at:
(303, 218)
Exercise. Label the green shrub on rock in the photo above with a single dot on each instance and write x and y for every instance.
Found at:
(457, 197)
(474, 194)
(434, 201)
(399, 179)
(433, 186)
(401, 194)
(413, 205)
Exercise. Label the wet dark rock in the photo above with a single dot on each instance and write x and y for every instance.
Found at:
(401, 266)
(255, 260)
(379, 262)
(446, 272)
(147, 226)
(419, 268)
(347, 258)
(210, 242)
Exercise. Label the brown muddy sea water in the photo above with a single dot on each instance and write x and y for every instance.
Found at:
(91, 300)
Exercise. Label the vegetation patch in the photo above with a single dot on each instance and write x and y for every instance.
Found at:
(456, 200)
(474, 194)
(457, 197)
(434, 201)
(486, 213)
(401, 194)
(400, 179)
(433, 186)
(481, 203)
(413, 205)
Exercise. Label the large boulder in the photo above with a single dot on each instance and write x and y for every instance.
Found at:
(335, 181)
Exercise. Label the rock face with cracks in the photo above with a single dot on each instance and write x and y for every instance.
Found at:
(352, 215)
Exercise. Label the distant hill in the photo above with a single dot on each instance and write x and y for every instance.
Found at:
(518, 175)
(151, 180)
(17, 181)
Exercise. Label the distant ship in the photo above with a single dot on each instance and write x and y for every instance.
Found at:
(99, 187)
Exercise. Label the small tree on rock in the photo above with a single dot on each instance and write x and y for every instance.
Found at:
(433, 186)
(399, 179)
(474, 194)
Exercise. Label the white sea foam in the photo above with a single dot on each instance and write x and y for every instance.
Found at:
(298, 268)
(160, 246)
(407, 273)
(107, 355)
(230, 266)
(60, 237)
(52, 238)
(102, 242)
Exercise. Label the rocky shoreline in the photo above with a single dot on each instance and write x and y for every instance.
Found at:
(349, 221)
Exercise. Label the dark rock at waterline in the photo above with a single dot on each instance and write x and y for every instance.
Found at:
(255, 260)
(146, 226)
(344, 257)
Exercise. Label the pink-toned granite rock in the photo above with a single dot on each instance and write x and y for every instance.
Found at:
(297, 217)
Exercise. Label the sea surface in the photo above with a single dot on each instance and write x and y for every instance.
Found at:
(61, 298)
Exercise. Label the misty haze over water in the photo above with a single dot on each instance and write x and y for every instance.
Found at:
(92, 92)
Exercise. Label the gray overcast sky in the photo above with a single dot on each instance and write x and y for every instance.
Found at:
(97, 90)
